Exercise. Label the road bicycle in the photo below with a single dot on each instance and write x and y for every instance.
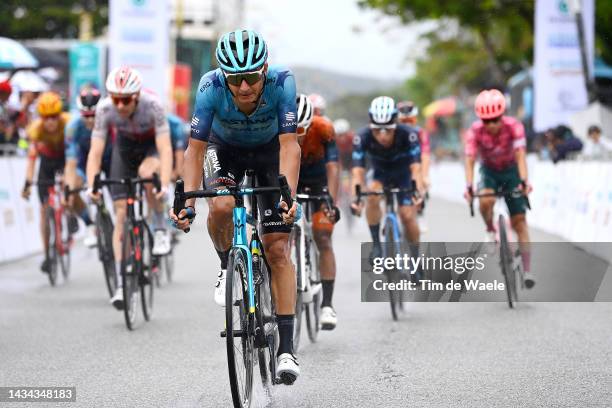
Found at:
(305, 256)
(509, 257)
(57, 224)
(251, 330)
(391, 245)
(136, 249)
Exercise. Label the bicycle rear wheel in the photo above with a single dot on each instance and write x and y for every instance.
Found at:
(393, 276)
(129, 275)
(238, 330)
(52, 255)
(505, 260)
(104, 232)
(145, 279)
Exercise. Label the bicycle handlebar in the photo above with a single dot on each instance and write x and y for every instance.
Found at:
(516, 193)
(181, 196)
(99, 183)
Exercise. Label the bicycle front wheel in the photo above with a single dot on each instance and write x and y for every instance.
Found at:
(393, 276)
(64, 246)
(505, 260)
(296, 257)
(313, 308)
(104, 233)
(238, 328)
(129, 275)
(52, 255)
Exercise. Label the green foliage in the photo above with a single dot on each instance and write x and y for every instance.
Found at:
(26, 19)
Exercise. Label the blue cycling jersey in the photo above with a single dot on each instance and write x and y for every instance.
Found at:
(177, 132)
(77, 141)
(216, 113)
(404, 151)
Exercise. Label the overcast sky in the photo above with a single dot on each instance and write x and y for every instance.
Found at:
(335, 35)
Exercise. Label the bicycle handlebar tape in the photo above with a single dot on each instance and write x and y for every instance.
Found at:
(285, 192)
(156, 182)
(358, 192)
(179, 199)
(96, 185)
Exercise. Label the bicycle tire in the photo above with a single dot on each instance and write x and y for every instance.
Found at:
(129, 276)
(52, 245)
(145, 279)
(391, 276)
(64, 249)
(240, 350)
(299, 301)
(168, 263)
(266, 322)
(104, 232)
(505, 259)
(313, 309)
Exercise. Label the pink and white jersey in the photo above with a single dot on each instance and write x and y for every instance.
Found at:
(497, 152)
(424, 140)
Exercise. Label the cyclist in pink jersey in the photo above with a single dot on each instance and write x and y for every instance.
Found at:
(500, 142)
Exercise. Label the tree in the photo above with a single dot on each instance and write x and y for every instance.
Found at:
(26, 19)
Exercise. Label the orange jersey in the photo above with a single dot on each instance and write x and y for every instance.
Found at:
(50, 145)
(320, 133)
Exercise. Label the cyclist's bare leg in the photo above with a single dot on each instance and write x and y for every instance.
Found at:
(146, 169)
(373, 211)
(44, 228)
(519, 225)
(220, 222)
(486, 208)
(327, 260)
(276, 247)
(120, 207)
(407, 215)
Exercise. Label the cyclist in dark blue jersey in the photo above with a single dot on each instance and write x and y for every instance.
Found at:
(245, 118)
(394, 156)
(178, 137)
(77, 141)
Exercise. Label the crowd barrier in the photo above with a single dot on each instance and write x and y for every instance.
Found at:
(570, 199)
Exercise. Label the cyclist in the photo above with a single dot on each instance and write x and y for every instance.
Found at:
(46, 135)
(395, 156)
(500, 142)
(318, 103)
(245, 117)
(178, 136)
(408, 114)
(77, 142)
(319, 169)
(142, 147)
(344, 141)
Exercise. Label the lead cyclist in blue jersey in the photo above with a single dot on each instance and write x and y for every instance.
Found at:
(245, 117)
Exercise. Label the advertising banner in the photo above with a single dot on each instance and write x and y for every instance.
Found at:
(140, 33)
(559, 83)
(181, 91)
(86, 68)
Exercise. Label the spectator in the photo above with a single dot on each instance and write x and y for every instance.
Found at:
(6, 125)
(561, 143)
(596, 146)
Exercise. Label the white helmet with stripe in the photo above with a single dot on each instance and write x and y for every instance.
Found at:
(305, 111)
(124, 81)
(383, 111)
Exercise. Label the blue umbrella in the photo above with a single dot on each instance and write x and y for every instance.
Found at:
(14, 55)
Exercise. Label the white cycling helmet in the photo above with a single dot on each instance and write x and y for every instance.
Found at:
(305, 111)
(124, 81)
(318, 102)
(383, 111)
(341, 126)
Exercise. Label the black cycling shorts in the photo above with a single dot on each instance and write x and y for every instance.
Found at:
(125, 163)
(46, 173)
(225, 165)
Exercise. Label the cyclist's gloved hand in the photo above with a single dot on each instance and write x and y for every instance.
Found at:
(334, 214)
(185, 217)
(525, 187)
(469, 194)
(292, 215)
(25, 193)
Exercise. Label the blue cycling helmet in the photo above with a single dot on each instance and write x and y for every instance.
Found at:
(383, 111)
(241, 51)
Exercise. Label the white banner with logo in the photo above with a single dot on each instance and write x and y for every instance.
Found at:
(139, 36)
(559, 84)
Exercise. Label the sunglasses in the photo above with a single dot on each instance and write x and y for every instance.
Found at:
(251, 78)
(490, 121)
(123, 100)
(88, 115)
(386, 128)
(54, 117)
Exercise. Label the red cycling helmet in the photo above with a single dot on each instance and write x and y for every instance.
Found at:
(490, 104)
(5, 86)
